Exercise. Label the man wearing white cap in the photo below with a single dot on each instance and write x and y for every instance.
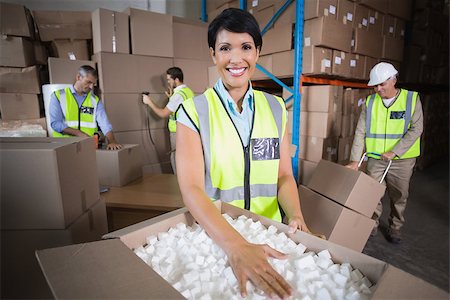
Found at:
(389, 128)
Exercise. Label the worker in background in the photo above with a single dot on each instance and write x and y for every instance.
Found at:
(76, 110)
(232, 145)
(177, 92)
(390, 126)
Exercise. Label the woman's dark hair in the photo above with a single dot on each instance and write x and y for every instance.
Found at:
(175, 73)
(235, 20)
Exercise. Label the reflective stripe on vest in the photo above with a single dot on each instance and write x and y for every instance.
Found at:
(186, 93)
(383, 129)
(224, 153)
(82, 118)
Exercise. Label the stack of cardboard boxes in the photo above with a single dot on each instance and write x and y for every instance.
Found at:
(49, 198)
(20, 73)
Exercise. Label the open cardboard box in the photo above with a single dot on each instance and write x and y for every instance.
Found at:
(110, 269)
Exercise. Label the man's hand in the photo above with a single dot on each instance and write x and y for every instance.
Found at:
(297, 223)
(387, 156)
(249, 262)
(114, 146)
(146, 99)
(169, 92)
(353, 165)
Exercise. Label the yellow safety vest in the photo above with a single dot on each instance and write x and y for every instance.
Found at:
(246, 177)
(81, 118)
(186, 93)
(386, 126)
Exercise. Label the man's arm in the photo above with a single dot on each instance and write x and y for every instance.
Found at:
(57, 120)
(106, 128)
(161, 112)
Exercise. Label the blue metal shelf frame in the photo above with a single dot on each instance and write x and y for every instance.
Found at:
(298, 55)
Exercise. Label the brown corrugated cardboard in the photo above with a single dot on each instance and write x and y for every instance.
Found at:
(15, 19)
(110, 31)
(368, 65)
(379, 5)
(361, 17)
(375, 22)
(257, 5)
(277, 39)
(345, 146)
(126, 73)
(70, 49)
(263, 16)
(345, 125)
(20, 80)
(90, 270)
(349, 101)
(341, 64)
(327, 32)
(345, 12)
(400, 27)
(356, 63)
(213, 4)
(288, 16)
(347, 187)
(213, 74)
(367, 43)
(320, 124)
(24, 278)
(40, 53)
(392, 48)
(213, 13)
(316, 60)
(15, 124)
(340, 225)
(265, 61)
(306, 169)
(322, 98)
(283, 64)
(126, 112)
(16, 52)
(19, 106)
(389, 25)
(189, 40)
(316, 8)
(66, 187)
(400, 8)
(145, 40)
(119, 167)
(155, 144)
(63, 70)
(195, 73)
(314, 148)
(63, 24)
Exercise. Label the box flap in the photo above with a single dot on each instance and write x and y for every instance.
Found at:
(104, 269)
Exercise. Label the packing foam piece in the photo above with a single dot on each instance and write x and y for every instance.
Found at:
(338, 293)
(366, 281)
(324, 254)
(162, 235)
(340, 279)
(356, 275)
(151, 240)
(190, 277)
(205, 297)
(311, 275)
(186, 294)
(229, 275)
(324, 263)
(301, 248)
(333, 269)
(200, 260)
(272, 229)
(323, 294)
(305, 262)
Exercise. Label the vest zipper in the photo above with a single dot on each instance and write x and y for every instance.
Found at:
(247, 177)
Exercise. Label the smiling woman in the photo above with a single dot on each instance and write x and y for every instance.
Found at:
(232, 146)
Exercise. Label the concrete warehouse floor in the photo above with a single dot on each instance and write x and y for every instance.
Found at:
(424, 250)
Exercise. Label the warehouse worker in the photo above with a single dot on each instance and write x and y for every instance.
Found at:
(177, 92)
(232, 146)
(390, 126)
(76, 111)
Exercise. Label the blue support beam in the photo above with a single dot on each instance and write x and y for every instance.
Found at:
(275, 16)
(298, 55)
(204, 16)
(259, 67)
(243, 4)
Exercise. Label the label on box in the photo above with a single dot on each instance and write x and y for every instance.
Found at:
(372, 20)
(402, 33)
(350, 17)
(72, 56)
(353, 43)
(325, 63)
(255, 3)
(391, 29)
(353, 63)
(332, 9)
(364, 22)
(337, 60)
(307, 41)
(314, 140)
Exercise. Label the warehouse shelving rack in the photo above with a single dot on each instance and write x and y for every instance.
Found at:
(298, 78)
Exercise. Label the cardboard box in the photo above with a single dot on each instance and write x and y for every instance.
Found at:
(378, 5)
(347, 187)
(356, 63)
(314, 148)
(341, 64)
(155, 144)
(350, 101)
(392, 48)
(16, 52)
(16, 19)
(110, 31)
(278, 39)
(306, 169)
(22, 277)
(327, 32)
(213, 13)
(320, 124)
(19, 106)
(345, 12)
(322, 98)
(316, 60)
(263, 16)
(70, 49)
(283, 64)
(66, 187)
(126, 112)
(400, 8)
(265, 61)
(20, 80)
(151, 33)
(345, 146)
(13, 125)
(54, 25)
(400, 27)
(40, 53)
(195, 73)
(63, 70)
(389, 25)
(368, 65)
(367, 43)
(361, 17)
(213, 75)
(316, 8)
(345, 126)
(340, 225)
(189, 39)
(119, 167)
(125, 73)
(375, 22)
(115, 261)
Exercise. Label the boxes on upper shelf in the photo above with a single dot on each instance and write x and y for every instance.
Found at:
(110, 31)
(54, 25)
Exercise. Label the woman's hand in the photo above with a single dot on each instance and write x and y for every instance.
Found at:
(249, 262)
(297, 223)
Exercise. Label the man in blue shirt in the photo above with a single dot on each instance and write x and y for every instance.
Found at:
(76, 111)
